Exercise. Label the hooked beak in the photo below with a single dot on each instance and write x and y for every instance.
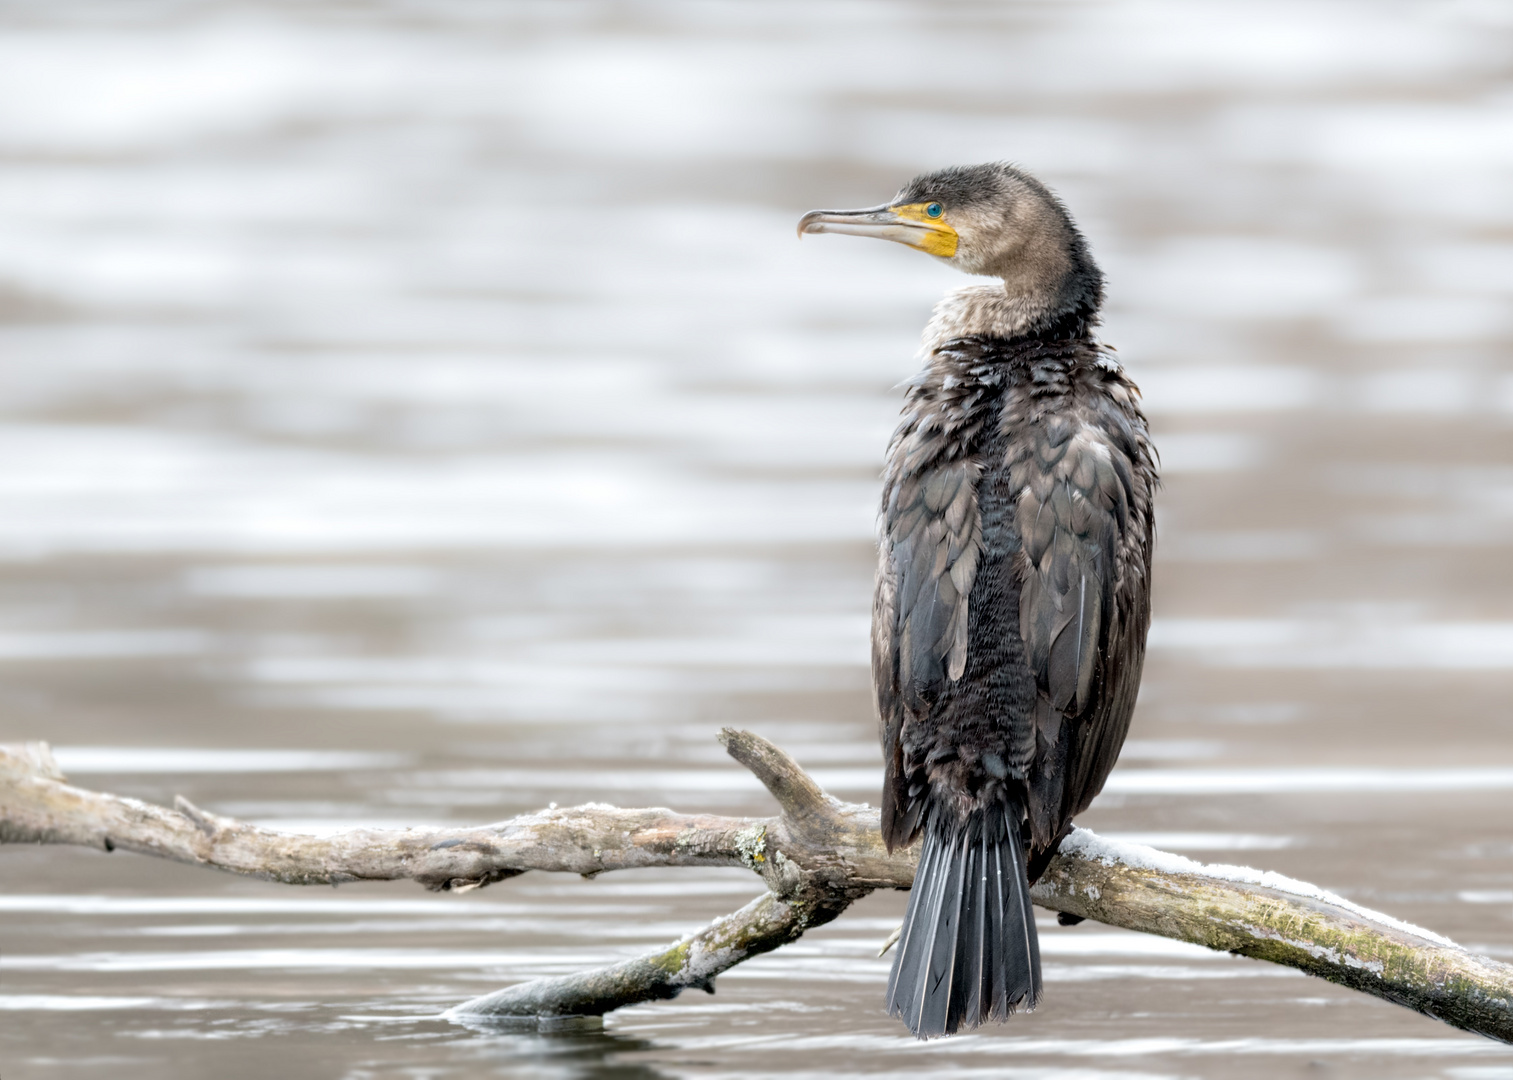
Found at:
(901, 224)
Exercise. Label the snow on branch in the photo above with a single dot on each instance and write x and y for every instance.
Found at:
(815, 857)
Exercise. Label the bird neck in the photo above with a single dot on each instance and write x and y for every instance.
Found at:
(996, 311)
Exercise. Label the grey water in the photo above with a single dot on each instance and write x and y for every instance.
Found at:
(423, 412)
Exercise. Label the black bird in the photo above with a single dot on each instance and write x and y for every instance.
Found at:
(1013, 582)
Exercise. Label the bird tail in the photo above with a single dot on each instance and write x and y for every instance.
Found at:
(968, 951)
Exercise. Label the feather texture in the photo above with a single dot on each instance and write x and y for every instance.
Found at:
(968, 951)
(1012, 594)
(1012, 598)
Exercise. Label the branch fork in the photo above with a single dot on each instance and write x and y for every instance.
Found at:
(815, 857)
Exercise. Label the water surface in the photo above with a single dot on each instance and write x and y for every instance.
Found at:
(423, 413)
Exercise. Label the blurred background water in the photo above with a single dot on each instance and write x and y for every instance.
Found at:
(420, 412)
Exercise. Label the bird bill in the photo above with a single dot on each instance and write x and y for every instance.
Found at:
(901, 224)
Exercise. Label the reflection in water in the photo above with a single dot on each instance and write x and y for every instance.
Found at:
(421, 419)
(587, 1053)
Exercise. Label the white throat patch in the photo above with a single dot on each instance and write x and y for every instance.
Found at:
(979, 309)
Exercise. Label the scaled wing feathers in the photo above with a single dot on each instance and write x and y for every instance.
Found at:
(1084, 479)
(935, 537)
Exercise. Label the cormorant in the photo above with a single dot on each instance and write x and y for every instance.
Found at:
(1013, 582)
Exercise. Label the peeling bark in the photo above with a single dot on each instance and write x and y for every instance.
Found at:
(815, 857)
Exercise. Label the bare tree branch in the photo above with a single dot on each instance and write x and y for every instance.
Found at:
(761, 926)
(815, 857)
(1270, 917)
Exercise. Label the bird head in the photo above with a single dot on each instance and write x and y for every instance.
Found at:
(994, 220)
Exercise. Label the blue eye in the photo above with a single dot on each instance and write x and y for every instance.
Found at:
(934, 209)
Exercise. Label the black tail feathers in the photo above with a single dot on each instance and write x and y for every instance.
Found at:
(968, 952)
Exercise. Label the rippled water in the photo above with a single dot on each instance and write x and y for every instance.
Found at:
(423, 412)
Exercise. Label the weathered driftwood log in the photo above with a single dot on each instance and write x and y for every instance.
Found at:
(815, 857)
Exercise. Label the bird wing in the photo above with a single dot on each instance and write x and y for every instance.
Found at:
(1084, 478)
(932, 536)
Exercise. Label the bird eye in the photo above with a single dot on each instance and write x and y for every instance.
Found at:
(934, 209)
